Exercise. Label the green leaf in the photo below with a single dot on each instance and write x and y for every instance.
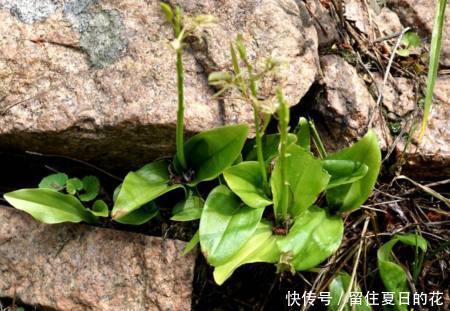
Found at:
(167, 11)
(73, 185)
(303, 134)
(225, 225)
(141, 187)
(338, 287)
(411, 39)
(140, 216)
(54, 181)
(260, 247)
(344, 172)
(313, 237)
(189, 209)
(393, 275)
(100, 208)
(270, 145)
(349, 197)
(91, 187)
(306, 179)
(192, 243)
(245, 180)
(211, 152)
(50, 206)
(403, 52)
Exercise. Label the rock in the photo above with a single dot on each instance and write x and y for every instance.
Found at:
(387, 22)
(344, 110)
(281, 28)
(96, 80)
(398, 95)
(419, 14)
(326, 26)
(354, 11)
(107, 95)
(79, 267)
(431, 158)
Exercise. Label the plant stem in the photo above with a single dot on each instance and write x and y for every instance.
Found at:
(435, 52)
(318, 142)
(258, 135)
(283, 115)
(259, 150)
(258, 127)
(180, 86)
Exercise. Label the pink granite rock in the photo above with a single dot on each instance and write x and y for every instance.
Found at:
(78, 267)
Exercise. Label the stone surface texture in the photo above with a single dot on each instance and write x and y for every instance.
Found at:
(431, 158)
(344, 109)
(326, 26)
(96, 79)
(279, 28)
(399, 96)
(77, 267)
(419, 14)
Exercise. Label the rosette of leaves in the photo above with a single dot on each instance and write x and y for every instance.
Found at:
(303, 195)
(201, 158)
(59, 198)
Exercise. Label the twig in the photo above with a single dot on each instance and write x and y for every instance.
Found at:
(388, 37)
(355, 266)
(386, 75)
(78, 161)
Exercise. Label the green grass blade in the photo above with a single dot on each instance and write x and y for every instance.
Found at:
(435, 52)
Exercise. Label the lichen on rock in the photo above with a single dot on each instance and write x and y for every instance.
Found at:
(30, 11)
(103, 38)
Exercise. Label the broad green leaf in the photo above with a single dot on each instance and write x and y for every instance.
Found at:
(344, 172)
(141, 187)
(55, 181)
(261, 247)
(91, 187)
(393, 275)
(313, 237)
(306, 179)
(100, 209)
(338, 287)
(270, 145)
(349, 197)
(73, 185)
(192, 243)
(303, 134)
(245, 180)
(225, 225)
(50, 206)
(209, 153)
(140, 216)
(188, 209)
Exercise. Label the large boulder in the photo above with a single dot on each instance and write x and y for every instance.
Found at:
(96, 79)
(282, 29)
(79, 267)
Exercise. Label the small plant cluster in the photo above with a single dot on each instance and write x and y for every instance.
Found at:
(273, 200)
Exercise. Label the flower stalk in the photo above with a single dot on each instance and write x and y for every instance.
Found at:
(179, 33)
(283, 116)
